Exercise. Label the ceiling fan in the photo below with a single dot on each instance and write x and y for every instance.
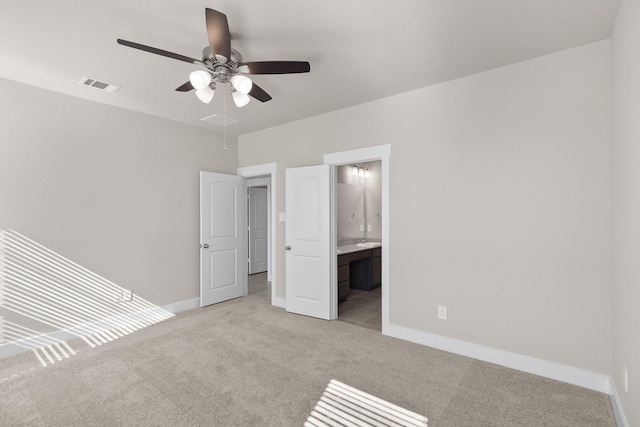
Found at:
(224, 65)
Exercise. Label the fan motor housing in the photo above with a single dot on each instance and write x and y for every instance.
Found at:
(206, 54)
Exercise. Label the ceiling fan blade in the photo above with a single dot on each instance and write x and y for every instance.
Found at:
(277, 67)
(258, 93)
(218, 32)
(185, 87)
(159, 51)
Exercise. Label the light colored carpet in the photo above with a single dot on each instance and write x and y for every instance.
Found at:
(246, 363)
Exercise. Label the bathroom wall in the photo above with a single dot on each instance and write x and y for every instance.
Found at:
(373, 201)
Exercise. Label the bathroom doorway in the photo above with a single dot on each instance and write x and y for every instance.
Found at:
(361, 155)
(358, 224)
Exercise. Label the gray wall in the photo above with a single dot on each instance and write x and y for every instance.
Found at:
(113, 190)
(626, 198)
(500, 202)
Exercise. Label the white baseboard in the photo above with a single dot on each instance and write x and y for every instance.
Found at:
(21, 346)
(179, 307)
(621, 419)
(543, 368)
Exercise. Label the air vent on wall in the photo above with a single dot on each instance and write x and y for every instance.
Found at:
(218, 120)
(99, 85)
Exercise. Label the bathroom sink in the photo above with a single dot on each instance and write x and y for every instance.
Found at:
(368, 244)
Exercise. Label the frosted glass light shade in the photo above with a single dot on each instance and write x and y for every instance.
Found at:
(205, 94)
(200, 79)
(240, 99)
(367, 174)
(243, 84)
(354, 170)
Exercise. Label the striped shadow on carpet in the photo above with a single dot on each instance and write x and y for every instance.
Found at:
(342, 405)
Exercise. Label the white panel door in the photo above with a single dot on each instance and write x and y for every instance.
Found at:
(308, 267)
(258, 230)
(222, 237)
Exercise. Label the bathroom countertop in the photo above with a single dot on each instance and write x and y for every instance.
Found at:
(347, 249)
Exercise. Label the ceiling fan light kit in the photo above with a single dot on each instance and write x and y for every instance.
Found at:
(224, 65)
(205, 94)
(242, 84)
(240, 99)
(200, 79)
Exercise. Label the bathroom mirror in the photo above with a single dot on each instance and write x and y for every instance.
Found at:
(359, 202)
(350, 212)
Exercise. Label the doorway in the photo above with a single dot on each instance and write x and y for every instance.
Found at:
(258, 236)
(359, 243)
(382, 154)
(262, 283)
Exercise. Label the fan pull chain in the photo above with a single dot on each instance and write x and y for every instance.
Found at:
(224, 126)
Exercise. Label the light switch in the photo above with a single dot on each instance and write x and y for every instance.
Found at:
(368, 227)
(361, 227)
(283, 217)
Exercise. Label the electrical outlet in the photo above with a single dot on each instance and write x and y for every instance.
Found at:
(625, 378)
(361, 227)
(442, 312)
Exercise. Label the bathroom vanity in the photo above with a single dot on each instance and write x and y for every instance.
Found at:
(359, 267)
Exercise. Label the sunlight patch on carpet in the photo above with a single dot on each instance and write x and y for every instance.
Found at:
(343, 405)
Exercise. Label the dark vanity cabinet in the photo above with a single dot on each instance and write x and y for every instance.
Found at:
(343, 277)
(359, 270)
(376, 254)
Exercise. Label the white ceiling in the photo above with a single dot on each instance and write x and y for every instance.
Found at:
(359, 50)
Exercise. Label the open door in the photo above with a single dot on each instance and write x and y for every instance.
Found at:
(308, 266)
(223, 227)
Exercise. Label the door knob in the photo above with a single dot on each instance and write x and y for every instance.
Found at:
(287, 248)
(205, 246)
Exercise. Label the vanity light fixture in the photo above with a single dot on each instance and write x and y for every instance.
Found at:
(361, 171)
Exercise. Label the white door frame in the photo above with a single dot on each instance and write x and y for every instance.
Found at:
(382, 153)
(268, 170)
